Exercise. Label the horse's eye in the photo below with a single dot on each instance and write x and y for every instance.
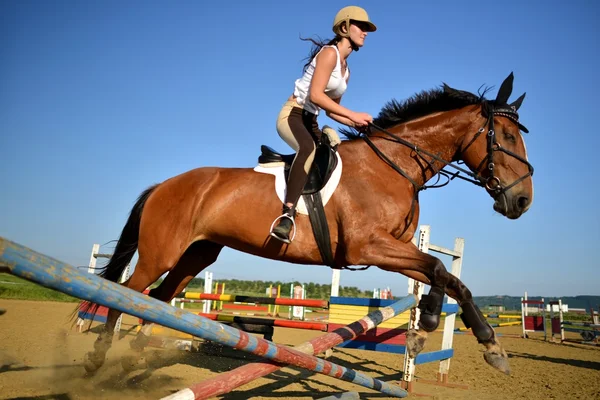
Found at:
(510, 137)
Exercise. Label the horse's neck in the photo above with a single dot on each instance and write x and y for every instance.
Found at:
(440, 134)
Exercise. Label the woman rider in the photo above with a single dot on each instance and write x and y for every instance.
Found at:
(321, 87)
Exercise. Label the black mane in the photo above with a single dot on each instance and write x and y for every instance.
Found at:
(423, 103)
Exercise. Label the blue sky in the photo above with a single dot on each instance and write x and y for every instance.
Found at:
(98, 100)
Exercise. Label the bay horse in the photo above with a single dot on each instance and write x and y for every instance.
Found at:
(180, 225)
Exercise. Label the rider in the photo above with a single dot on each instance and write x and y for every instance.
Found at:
(321, 86)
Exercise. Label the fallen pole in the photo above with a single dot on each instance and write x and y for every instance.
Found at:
(227, 381)
(46, 271)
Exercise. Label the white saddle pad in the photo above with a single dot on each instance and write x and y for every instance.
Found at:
(280, 184)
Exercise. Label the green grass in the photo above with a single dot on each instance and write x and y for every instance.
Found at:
(12, 287)
(15, 288)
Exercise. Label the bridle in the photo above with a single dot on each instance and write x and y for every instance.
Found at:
(491, 183)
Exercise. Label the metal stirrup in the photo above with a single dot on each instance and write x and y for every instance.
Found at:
(284, 215)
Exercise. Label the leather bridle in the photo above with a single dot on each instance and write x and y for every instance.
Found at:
(492, 183)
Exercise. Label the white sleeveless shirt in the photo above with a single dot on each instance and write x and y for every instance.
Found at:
(335, 87)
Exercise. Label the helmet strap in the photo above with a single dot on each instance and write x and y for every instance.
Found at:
(347, 35)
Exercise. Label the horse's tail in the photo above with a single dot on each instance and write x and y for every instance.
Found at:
(124, 251)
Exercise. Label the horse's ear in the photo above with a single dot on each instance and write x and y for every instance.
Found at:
(505, 90)
(517, 103)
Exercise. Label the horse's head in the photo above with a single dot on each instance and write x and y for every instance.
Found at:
(497, 154)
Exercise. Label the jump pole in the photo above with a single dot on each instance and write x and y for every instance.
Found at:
(280, 301)
(227, 381)
(46, 271)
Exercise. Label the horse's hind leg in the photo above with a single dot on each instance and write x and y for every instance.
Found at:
(153, 262)
(141, 278)
(197, 257)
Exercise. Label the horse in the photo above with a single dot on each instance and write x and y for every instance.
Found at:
(179, 226)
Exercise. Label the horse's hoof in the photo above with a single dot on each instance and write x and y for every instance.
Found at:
(498, 360)
(133, 362)
(415, 342)
(139, 343)
(92, 362)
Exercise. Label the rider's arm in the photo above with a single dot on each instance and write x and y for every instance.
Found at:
(339, 118)
(326, 61)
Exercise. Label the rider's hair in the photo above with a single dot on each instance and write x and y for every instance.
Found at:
(317, 46)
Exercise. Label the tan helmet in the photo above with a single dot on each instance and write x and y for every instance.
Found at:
(354, 13)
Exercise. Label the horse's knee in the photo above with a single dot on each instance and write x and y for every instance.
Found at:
(431, 308)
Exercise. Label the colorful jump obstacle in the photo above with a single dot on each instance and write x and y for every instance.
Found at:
(228, 381)
(282, 301)
(242, 306)
(387, 337)
(46, 271)
(217, 305)
(391, 336)
(533, 323)
(589, 331)
(496, 324)
(164, 337)
(379, 340)
(251, 324)
(446, 352)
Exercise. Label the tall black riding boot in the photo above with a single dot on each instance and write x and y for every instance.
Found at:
(286, 221)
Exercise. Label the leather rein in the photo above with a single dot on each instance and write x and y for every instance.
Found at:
(491, 183)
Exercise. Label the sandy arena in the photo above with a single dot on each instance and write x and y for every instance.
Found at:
(41, 359)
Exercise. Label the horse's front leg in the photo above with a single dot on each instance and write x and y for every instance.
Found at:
(391, 255)
(481, 328)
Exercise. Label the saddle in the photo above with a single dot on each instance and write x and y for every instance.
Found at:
(323, 165)
(320, 172)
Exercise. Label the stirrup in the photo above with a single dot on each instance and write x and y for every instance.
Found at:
(291, 218)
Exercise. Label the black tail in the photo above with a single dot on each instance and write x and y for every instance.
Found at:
(124, 251)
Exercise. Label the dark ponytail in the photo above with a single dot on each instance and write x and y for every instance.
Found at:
(317, 46)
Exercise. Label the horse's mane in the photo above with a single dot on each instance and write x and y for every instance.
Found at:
(420, 104)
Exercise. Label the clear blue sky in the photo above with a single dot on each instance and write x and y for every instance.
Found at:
(98, 100)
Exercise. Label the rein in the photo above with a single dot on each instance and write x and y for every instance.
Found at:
(492, 183)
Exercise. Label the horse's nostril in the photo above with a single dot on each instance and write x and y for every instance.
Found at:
(522, 202)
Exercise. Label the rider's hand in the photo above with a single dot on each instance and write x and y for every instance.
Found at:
(361, 119)
(363, 129)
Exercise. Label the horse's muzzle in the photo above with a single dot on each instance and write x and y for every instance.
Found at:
(512, 207)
